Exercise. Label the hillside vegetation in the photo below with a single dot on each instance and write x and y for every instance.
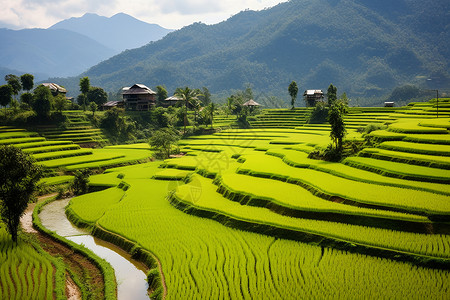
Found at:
(366, 49)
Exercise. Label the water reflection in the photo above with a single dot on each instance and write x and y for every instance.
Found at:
(130, 275)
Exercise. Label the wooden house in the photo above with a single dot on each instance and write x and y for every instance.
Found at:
(312, 97)
(138, 97)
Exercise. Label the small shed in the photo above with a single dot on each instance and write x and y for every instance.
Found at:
(111, 104)
(312, 97)
(251, 103)
(172, 101)
(389, 104)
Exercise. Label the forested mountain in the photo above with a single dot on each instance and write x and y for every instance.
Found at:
(49, 52)
(118, 32)
(364, 47)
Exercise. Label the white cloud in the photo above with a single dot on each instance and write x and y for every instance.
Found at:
(168, 13)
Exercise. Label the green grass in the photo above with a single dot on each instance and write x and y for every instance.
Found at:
(430, 149)
(414, 126)
(399, 170)
(433, 161)
(61, 154)
(208, 199)
(203, 259)
(27, 272)
(354, 190)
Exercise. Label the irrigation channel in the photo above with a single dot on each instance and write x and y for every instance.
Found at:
(130, 275)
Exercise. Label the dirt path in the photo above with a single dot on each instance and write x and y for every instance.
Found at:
(87, 272)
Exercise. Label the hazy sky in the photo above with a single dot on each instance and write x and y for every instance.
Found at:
(172, 14)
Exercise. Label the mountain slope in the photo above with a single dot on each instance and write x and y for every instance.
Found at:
(52, 52)
(119, 32)
(354, 44)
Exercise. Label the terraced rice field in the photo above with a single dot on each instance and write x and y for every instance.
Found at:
(65, 155)
(26, 273)
(246, 214)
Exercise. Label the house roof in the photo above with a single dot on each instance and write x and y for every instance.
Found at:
(251, 102)
(138, 89)
(55, 87)
(173, 98)
(112, 103)
(313, 92)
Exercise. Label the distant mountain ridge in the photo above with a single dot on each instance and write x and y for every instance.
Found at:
(70, 47)
(55, 52)
(357, 45)
(119, 32)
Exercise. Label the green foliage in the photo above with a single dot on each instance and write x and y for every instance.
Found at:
(406, 93)
(14, 82)
(293, 90)
(331, 95)
(164, 139)
(42, 102)
(93, 107)
(117, 125)
(6, 92)
(97, 95)
(161, 94)
(27, 98)
(85, 85)
(60, 103)
(27, 81)
(28, 272)
(319, 114)
(336, 119)
(189, 97)
(80, 183)
(18, 183)
(82, 101)
(205, 96)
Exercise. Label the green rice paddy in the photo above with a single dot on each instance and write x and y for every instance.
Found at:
(245, 214)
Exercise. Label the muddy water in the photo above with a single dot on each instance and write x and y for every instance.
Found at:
(130, 275)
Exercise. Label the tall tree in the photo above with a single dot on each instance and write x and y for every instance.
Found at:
(210, 109)
(205, 97)
(27, 81)
(188, 95)
(42, 102)
(331, 94)
(85, 85)
(93, 107)
(60, 103)
(14, 82)
(82, 101)
(293, 91)
(336, 120)
(163, 140)
(161, 95)
(97, 95)
(5, 95)
(18, 182)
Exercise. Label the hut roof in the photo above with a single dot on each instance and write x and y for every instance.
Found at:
(55, 87)
(112, 103)
(138, 89)
(251, 102)
(312, 92)
(173, 98)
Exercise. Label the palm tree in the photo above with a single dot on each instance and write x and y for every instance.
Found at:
(188, 96)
